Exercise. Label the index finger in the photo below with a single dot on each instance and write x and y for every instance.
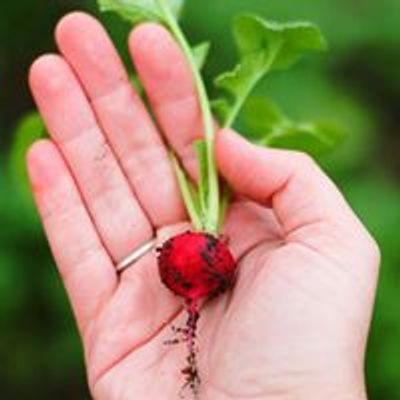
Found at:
(169, 84)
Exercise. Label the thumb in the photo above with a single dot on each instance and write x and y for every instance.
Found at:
(299, 191)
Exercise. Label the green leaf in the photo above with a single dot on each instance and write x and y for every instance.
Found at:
(315, 138)
(200, 54)
(269, 126)
(27, 132)
(133, 10)
(176, 6)
(285, 43)
(220, 108)
(263, 115)
(140, 10)
(264, 46)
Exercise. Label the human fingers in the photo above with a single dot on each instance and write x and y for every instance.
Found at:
(119, 219)
(122, 115)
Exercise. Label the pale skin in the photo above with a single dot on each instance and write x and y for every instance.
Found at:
(296, 322)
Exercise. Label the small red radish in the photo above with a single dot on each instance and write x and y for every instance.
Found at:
(195, 266)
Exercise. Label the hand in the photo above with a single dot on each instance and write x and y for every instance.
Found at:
(296, 323)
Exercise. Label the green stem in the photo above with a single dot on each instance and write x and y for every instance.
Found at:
(210, 218)
(240, 100)
(237, 106)
(226, 197)
(187, 194)
(235, 110)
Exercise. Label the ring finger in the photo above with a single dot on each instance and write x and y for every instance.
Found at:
(117, 215)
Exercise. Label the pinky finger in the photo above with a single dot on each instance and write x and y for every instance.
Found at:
(86, 269)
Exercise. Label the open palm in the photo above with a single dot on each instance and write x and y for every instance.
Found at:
(295, 324)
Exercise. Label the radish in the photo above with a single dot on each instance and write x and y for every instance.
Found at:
(195, 266)
(198, 265)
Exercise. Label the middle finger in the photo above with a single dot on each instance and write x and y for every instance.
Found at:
(122, 115)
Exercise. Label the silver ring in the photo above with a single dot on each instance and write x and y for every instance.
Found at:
(136, 256)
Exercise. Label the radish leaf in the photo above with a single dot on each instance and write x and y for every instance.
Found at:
(262, 116)
(270, 127)
(200, 54)
(314, 138)
(140, 10)
(256, 35)
(264, 46)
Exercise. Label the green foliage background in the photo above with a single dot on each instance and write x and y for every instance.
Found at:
(357, 85)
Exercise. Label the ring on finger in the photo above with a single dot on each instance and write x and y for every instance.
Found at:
(136, 255)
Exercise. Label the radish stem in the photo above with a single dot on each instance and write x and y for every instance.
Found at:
(210, 217)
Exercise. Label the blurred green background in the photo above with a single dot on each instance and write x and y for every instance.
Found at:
(356, 84)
